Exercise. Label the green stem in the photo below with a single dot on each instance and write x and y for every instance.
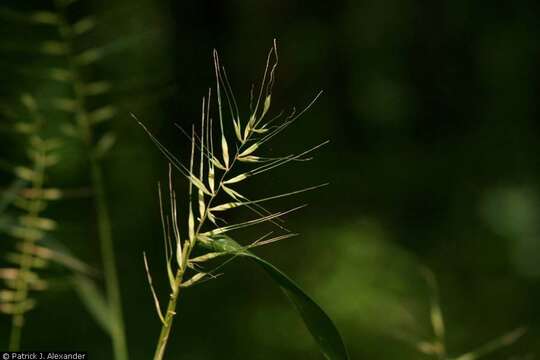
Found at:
(118, 336)
(171, 307)
(109, 262)
(169, 317)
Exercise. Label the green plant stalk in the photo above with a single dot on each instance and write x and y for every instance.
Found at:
(171, 307)
(169, 317)
(114, 299)
(104, 231)
(17, 321)
(109, 261)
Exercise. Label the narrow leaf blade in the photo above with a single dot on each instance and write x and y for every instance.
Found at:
(316, 320)
(319, 324)
(94, 301)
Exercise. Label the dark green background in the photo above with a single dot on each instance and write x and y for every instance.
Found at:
(431, 109)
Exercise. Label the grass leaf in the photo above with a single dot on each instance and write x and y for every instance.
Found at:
(316, 320)
(95, 302)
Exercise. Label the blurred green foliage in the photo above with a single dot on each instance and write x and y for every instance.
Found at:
(431, 111)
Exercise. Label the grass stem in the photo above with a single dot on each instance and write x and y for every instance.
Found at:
(118, 336)
(109, 261)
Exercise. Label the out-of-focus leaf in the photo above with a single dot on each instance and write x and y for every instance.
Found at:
(316, 320)
(94, 301)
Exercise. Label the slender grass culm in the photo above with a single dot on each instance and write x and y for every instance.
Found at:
(436, 348)
(212, 175)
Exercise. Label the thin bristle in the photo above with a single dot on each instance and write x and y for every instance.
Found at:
(244, 224)
(162, 215)
(232, 205)
(201, 164)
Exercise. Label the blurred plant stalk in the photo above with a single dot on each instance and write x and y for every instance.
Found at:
(85, 129)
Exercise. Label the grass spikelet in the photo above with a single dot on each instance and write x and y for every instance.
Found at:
(195, 279)
(236, 179)
(249, 150)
